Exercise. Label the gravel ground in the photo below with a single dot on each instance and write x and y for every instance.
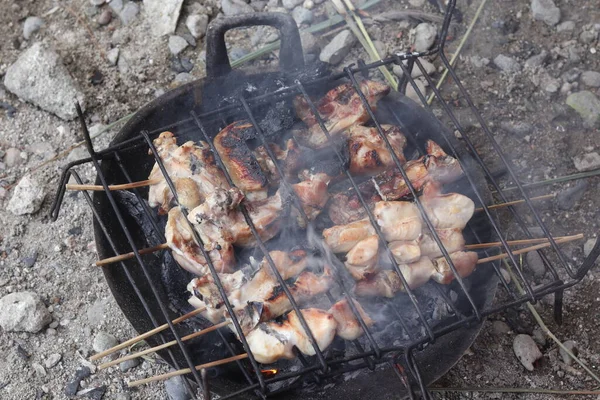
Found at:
(526, 65)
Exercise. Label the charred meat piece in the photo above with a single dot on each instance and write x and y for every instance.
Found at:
(369, 154)
(187, 252)
(313, 194)
(348, 326)
(340, 109)
(290, 160)
(346, 207)
(362, 259)
(240, 161)
(271, 341)
(191, 167)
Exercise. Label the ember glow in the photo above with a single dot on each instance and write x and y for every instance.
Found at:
(269, 372)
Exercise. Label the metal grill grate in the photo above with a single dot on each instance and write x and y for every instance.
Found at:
(375, 354)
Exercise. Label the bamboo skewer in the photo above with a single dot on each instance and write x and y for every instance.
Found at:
(513, 242)
(127, 256)
(186, 370)
(147, 334)
(531, 248)
(163, 346)
(512, 203)
(124, 186)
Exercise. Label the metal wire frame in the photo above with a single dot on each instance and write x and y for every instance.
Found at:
(554, 287)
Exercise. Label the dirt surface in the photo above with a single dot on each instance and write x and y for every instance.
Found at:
(74, 290)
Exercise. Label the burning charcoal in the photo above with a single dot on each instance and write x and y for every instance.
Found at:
(526, 351)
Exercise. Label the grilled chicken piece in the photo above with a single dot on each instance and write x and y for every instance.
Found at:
(313, 196)
(252, 279)
(362, 259)
(290, 160)
(464, 262)
(340, 109)
(387, 283)
(191, 167)
(240, 161)
(399, 220)
(187, 252)
(348, 326)
(342, 238)
(436, 166)
(447, 211)
(369, 154)
(452, 240)
(405, 252)
(271, 341)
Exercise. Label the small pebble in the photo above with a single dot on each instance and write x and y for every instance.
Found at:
(129, 364)
(104, 341)
(535, 263)
(308, 4)
(73, 386)
(291, 4)
(105, 17)
(424, 36)
(500, 327)
(518, 128)
(568, 198)
(546, 11)
(197, 25)
(31, 26)
(572, 346)
(52, 360)
(539, 336)
(39, 369)
(95, 393)
(177, 44)
(526, 351)
(587, 162)
(588, 246)
(113, 56)
(591, 78)
(302, 16)
(507, 64)
(566, 26)
(175, 389)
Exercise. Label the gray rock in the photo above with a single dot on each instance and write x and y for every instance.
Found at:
(537, 61)
(162, 15)
(23, 312)
(566, 26)
(412, 94)
(177, 44)
(526, 351)
(416, 3)
(571, 75)
(588, 246)
(105, 17)
(507, 64)
(95, 393)
(104, 341)
(518, 128)
(591, 78)
(182, 78)
(479, 62)
(587, 106)
(97, 3)
(39, 369)
(39, 76)
(129, 12)
(338, 48)
(27, 197)
(176, 389)
(73, 386)
(31, 26)
(381, 48)
(12, 157)
(425, 35)
(129, 364)
(122, 396)
(291, 4)
(572, 346)
(535, 263)
(550, 84)
(234, 7)
(587, 162)
(500, 327)
(258, 5)
(302, 16)
(113, 56)
(52, 360)
(539, 336)
(310, 43)
(587, 37)
(568, 198)
(197, 25)
(116, 5)
(545, 10)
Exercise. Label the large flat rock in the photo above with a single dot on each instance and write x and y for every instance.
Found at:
(39, 77)
(162, 15)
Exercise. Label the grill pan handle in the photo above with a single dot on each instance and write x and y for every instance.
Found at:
(291, 56)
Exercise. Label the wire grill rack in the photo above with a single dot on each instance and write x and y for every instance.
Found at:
(375, 354)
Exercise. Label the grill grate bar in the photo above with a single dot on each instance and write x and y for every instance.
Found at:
(119, 216)
(413, 192)
(411, 295)
(211, 266)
